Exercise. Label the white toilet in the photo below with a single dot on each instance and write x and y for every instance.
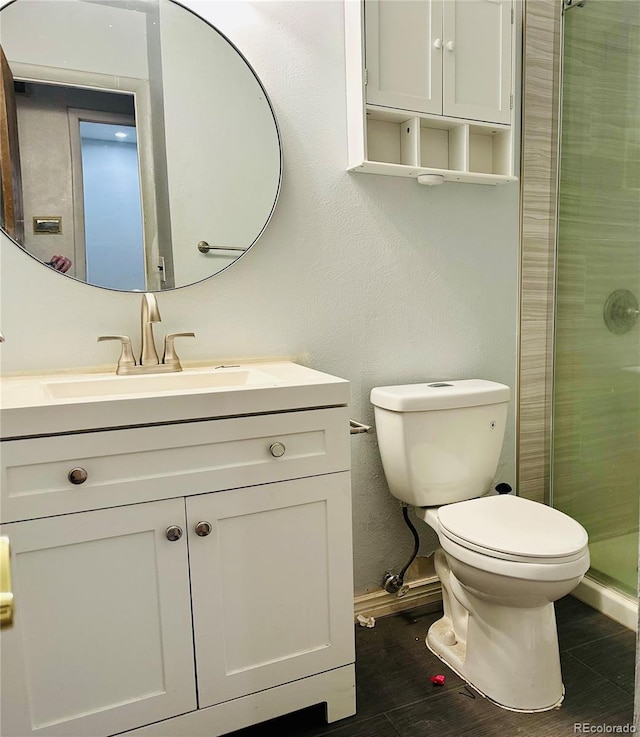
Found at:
(503, 560)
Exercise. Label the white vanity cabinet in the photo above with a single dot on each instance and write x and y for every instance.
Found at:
(198, 581)
(430, 88)
(102, 634)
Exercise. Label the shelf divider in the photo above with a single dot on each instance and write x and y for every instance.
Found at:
(410, 142)
(459, 148)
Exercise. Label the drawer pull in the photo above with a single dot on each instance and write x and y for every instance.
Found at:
(277, 450)
(77, 476)
(173, 533)
(203, 529)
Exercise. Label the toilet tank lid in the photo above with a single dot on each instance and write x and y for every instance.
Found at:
(439, 395)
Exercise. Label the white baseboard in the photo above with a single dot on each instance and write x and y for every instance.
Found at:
(380, 603)
(614, 605)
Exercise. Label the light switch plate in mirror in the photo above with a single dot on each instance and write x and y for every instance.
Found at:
(141, 135)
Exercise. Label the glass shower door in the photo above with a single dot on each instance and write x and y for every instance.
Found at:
(596, 446)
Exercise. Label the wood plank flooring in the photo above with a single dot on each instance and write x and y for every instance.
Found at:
(395, 697)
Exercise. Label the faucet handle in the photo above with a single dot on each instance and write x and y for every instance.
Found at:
(126, 360)
(170, 357)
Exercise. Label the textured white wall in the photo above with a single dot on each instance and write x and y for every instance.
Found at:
(375, 279)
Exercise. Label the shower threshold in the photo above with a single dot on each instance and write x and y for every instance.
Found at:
(612, 603)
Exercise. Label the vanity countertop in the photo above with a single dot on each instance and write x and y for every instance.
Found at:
(62, 403)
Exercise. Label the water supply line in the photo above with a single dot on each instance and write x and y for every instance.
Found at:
(393, 583)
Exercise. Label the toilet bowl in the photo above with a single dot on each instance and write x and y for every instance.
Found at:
(498, 631)
(502, 560)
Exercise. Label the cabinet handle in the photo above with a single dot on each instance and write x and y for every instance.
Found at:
(437, 43)
(203, 529)
(173, 533)
(6, 591)
(277, 450)
(77, 476)
(450, 46)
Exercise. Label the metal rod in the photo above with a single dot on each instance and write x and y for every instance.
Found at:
(358, 427)
(204, 247)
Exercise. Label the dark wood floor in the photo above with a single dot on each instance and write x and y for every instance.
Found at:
(395, 697)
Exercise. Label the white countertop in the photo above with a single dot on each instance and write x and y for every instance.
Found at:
(61, 403)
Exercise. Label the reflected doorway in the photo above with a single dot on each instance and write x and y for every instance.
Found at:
(49, 116)
(112, 208)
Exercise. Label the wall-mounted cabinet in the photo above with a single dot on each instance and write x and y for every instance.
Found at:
(430, 88)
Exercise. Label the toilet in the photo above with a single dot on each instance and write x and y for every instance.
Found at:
(503, 560)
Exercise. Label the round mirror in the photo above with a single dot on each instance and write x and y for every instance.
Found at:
(140, 151)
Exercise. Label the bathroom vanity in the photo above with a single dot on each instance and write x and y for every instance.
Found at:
(181, 550)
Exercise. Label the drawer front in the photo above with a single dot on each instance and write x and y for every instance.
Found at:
(159, 462)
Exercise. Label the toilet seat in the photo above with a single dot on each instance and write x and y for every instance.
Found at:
(511, 528)
(559, 569)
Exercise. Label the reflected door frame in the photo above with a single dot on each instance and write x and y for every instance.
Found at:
(10, 176)
(140, 90)
(77, 116)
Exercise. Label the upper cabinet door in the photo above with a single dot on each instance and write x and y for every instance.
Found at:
(477, 59)
(404, 54)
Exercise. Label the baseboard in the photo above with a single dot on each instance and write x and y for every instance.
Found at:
(424, 591)
(611, 603)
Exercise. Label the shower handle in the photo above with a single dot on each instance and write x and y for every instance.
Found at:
(621, 311)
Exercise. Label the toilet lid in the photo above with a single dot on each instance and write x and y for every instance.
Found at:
(514, 526)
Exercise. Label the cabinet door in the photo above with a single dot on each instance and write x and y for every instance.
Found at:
(272, 584)
(477, 59)
(403, 55)
(102, 635)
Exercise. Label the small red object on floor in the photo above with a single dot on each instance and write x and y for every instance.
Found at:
(438, 680)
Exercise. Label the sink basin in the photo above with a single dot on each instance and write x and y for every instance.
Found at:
(61, 403)
(190, 380)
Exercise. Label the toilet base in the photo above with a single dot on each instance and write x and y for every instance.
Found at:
(499, 632)
(454, 657)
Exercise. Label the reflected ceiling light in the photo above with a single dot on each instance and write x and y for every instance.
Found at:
(120, 134)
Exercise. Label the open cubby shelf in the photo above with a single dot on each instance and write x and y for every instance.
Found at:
(405, 144)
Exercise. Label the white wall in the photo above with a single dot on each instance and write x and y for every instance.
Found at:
(371, 278)
(229, 144)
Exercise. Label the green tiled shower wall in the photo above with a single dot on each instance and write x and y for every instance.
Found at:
(596, 415)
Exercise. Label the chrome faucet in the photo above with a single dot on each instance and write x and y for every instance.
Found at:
(149, 361)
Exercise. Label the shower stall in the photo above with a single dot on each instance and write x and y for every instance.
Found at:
(595, 458)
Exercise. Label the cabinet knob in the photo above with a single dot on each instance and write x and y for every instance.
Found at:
(450, 45)
(173, 533)
(277, 450)
(77, 476)
(437, 43)
(203, 529)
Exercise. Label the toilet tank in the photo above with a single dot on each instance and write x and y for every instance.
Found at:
(440, 442)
